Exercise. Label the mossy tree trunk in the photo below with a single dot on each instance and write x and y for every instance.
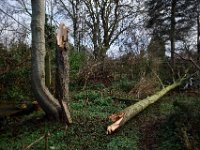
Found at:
(121, 118)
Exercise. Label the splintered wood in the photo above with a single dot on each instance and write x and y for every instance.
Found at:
(116, 118)
(62, 35)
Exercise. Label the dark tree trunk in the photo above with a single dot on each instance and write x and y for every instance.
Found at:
(198, 36)
(62, 73)
(48, 69)
(172, 34)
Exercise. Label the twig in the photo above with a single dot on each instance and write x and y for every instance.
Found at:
(14, 19)
(45, 136)
(186, 139)
(33, 143)
(171, 70)
(26, 59)
(157, 76)
(46, 140)
(190, 60)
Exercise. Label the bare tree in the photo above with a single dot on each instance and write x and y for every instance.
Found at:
(13, 26)
(4, 23)
(101, 22)
(106, 21)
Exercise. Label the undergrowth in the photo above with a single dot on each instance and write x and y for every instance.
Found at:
(89, 111)
(181, 128)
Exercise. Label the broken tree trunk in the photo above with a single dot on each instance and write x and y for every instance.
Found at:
(121, 118)
(62, 72)
(52, 107)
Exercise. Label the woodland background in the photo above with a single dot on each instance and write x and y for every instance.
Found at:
(119, 53)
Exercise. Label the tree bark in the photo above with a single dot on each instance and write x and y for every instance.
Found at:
(198, 33)
(121, 118)
(46, 100)
(48, 103)
(172, 34)
(62, 72)
(48, 69)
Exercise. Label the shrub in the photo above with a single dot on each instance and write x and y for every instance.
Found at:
(181, 130)
(118, 143)
(15, 73)
(77, 60)
(124, 84)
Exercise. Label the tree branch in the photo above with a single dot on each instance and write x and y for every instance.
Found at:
(14, 19)
(190, 60)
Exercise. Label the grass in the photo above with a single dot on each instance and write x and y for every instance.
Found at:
(151, 129)
(89, 111)
(184, 114)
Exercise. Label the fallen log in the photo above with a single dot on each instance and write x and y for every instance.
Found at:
(17, 109)
(121, 118)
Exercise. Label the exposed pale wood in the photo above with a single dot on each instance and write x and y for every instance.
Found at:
(62, 35)
(136, 108)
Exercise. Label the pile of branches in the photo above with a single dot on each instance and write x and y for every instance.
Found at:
(145, 87)
(96, 72)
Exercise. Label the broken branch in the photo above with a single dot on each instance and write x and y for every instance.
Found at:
(131, 111)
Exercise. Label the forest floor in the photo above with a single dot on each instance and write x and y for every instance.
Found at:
(154, 128)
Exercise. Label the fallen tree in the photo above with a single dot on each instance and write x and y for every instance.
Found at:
(121, 118)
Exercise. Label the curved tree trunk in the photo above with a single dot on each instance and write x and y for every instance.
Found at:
(121, 118)
(46, 100)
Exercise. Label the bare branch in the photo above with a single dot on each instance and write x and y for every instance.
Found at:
(14, 19)
(22, 2)
(190, 60)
